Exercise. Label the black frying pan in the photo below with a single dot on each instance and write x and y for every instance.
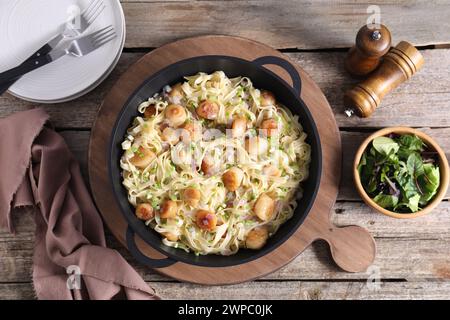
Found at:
(262, 78)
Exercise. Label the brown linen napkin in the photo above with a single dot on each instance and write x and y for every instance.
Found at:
(38, 169)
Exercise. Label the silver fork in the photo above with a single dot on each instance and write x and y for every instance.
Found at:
(86, 18)
(77, 47)
(85, 45)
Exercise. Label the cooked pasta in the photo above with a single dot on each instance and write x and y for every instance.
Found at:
(214, 164)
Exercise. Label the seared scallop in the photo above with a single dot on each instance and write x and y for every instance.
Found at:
(191, 196)
(239, 127)
(271, 170)
(256, 238)
(264, 207)
(208, 109)
(170, 135)
(232, 178)
(176, 94)
(169, 209)
(269, 127)
(144, 211)
(142, 157)
(267, 98)
(175, 115)
(208, 167)
(206, 220)
(256, 146)
(192, 131)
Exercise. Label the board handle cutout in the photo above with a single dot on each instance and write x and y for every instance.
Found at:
(139, 256)
(287, 66)
(352, 247)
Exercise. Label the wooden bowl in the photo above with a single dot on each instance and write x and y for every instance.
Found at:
(443, 166)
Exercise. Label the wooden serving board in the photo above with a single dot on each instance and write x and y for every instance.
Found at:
(352, 248)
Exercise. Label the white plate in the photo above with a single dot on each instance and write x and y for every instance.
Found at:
(87, 90)
(22, 32)
(82, 93)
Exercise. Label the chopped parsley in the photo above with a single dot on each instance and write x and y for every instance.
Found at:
(154, 203)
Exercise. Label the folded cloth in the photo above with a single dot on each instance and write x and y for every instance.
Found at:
(71, 260)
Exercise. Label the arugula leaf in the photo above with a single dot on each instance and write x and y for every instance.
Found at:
(414, 165)
(413, 202)
(385, 145)
(408, 187)
(367, 175)
(408, 144)
(408, 205)
(411, 142)
(372, 185)
(386, 201)
(362, 163)
(429, 181)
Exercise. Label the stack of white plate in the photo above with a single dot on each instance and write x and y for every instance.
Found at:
(26, 25)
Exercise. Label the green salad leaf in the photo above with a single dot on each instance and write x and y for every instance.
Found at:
(414, 164)
(399, 173)
(411, 142)
(386, 201)
(429, 181)
(385, 145)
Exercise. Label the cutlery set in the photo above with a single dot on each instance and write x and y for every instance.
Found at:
(69, 41)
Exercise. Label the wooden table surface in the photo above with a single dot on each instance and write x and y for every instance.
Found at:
(413, 259)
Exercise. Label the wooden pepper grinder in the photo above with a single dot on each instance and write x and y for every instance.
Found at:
(399, 64)
(372, 43)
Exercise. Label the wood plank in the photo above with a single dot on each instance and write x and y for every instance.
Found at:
(79, 113)
(292, 24)
(285, 290)
(17, 291)
(424, 101)
(413, 249)
(417, 249)
(305, 290)
(432, 226)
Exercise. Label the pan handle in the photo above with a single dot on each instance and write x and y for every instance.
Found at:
(139, 256)
(286, 65)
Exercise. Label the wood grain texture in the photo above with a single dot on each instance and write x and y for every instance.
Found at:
(415, 250)
(422, 101)
(77, 114)
(79, 140)
(284, 24)
(404, 254)
(285, 290)
(406, 249)
(305, 290)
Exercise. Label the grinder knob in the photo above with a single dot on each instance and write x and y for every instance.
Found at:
(372, 43)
